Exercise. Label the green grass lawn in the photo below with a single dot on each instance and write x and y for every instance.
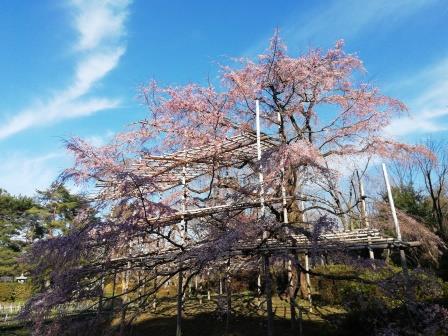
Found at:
(206, 319)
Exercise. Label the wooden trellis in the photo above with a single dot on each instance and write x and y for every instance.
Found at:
(178, 169)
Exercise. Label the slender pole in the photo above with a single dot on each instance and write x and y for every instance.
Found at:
(229, 296)
(267, 276)
(113, 290)
(268, 293)
(125, 282)
(391, 203)
(183, 232)
(100, 302)
(179, 305)
(364, 214)
(154, 302)
(396, 223)
(307, 263)
(208, 286)
(365, 218)
(260, 174)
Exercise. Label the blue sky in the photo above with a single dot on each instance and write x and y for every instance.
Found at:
(73, 67)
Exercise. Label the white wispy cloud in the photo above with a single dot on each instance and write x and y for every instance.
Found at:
(101, 27)
(350, 19)
(22, 174)
(429, 107)
(98, 140)
(323, 24)
(99, 21)
(347, 18)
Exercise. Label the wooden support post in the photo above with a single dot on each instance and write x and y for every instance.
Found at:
(291, 293)
(124, 289)
(387, 255)
(125, 283)
(396, 223)
(154, 303)
(308, 280)
(113, 290)
(208, 286)
(100, 302)
(299, 309)
(307, 265)
(179, 304)
(364, 214)
(229, 297)
(183, 232)
(268, 293)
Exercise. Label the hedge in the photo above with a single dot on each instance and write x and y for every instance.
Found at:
(13, 291)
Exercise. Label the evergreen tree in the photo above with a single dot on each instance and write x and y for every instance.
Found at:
(413, 202)
(58, 208)
(24, 220)
(15, 230)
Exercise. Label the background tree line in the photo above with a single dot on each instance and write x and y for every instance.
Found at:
(23, 220)
(421, 191)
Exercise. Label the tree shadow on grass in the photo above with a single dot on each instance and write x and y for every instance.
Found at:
(207, 324)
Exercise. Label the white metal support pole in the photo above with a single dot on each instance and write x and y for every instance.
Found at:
(260, 174)
(364, 213)
(395, 218)
(391, 203)
(184, 204)
(285, 209)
